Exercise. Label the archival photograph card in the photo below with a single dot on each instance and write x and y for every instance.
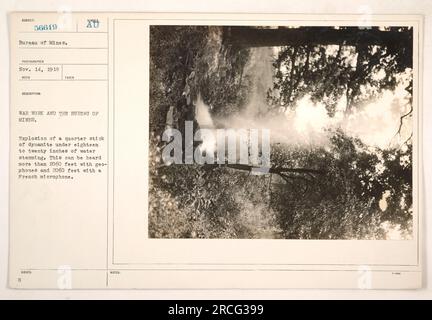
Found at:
(162, 150)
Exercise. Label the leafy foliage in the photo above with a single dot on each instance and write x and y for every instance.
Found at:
(342, 202)
(359, 71)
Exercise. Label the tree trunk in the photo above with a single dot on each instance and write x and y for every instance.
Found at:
(260, 37)
(276, 170)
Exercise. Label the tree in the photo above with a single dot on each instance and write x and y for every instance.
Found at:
(344, 202)
(329, 62)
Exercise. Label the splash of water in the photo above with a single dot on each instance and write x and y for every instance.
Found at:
(306, 124)
(202, 114)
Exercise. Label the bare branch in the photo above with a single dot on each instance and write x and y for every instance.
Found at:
(402, 118)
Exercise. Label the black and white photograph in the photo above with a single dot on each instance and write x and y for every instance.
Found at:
(219, 151)
(281, 132)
